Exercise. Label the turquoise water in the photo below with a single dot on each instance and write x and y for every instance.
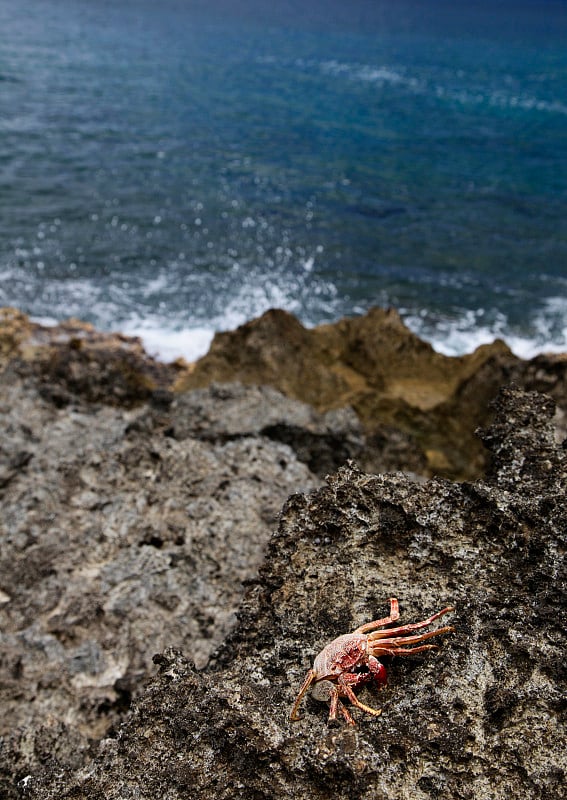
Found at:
(173, 169)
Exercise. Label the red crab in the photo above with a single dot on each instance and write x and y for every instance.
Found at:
(334, 670)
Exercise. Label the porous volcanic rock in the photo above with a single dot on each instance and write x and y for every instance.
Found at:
(117, 540)
(484, 716)
(228, 411)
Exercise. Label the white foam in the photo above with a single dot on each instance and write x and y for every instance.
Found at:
(450, 337)
(454, 337)
(459, 342)
(251, 302)
(47, 322)
(167, 345)
(371, 74)
(167, 336)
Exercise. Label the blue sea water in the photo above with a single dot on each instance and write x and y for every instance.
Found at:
(176, 168)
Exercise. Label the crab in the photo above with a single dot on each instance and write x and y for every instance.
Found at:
(336, 670)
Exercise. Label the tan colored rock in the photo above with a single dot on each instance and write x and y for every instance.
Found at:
(74, 359)
(15, 328)
(332, 365)
(375, 364)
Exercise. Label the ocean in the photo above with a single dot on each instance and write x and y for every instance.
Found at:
(173, 169)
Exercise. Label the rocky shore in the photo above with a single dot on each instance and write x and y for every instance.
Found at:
(173, 556)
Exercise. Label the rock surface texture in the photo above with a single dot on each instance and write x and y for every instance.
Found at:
(117, 540)
(170, 565)
(481, 717)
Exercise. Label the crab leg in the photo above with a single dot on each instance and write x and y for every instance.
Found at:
(309, 678)
(401, 651)
(403, 640)
(392, 647)
(413, 626)
(346, 715)
(335, 706)
(356, 702)
(378, 623)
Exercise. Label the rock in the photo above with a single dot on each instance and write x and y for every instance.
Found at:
(345, 363)
(117, 541)
(392, 379)
(15, 329)
(324, 442)
(417, 410)
(73, 360)
(134, 513)
(481, 717)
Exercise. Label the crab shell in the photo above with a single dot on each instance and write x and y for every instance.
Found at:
(340, 655)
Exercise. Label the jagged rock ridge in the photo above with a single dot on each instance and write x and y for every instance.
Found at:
(408, 399)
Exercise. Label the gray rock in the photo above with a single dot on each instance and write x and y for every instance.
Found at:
(116, 542)
(324, 442)
(484, 716)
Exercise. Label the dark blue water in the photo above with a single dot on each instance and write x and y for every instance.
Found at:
(176, 168)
